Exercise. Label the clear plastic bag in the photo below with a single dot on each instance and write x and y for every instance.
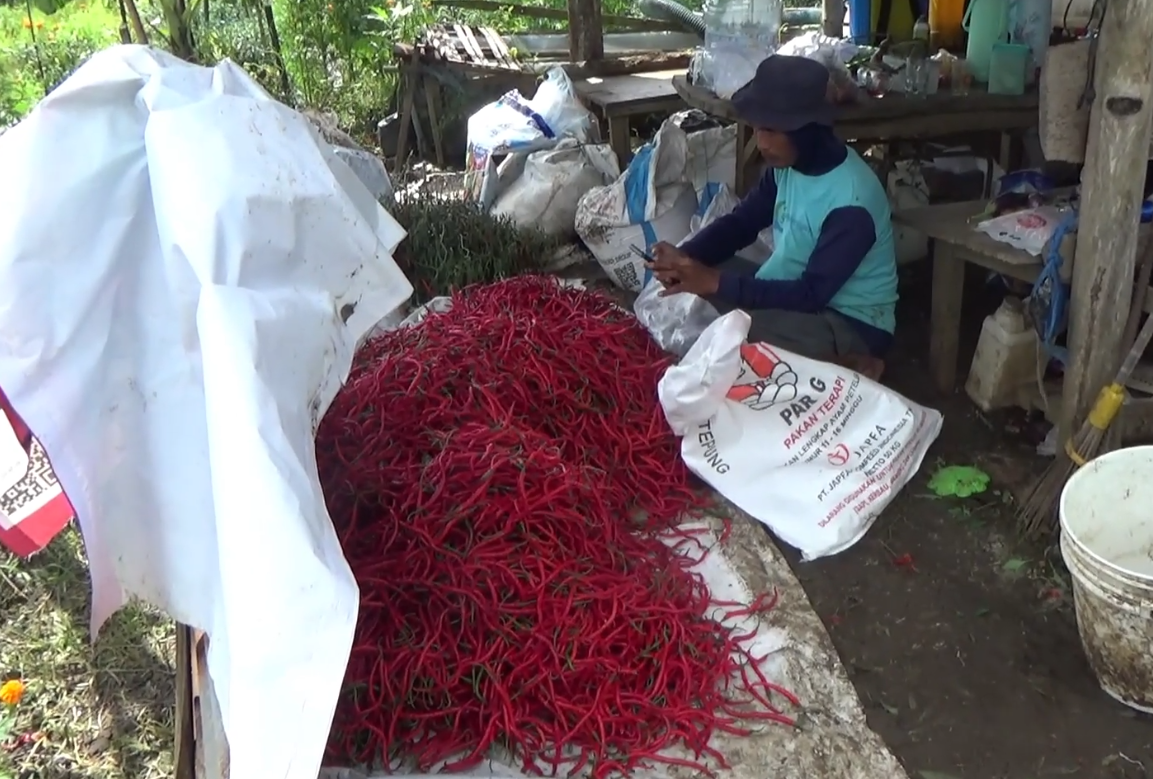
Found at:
(675, 322)
(1028, 230)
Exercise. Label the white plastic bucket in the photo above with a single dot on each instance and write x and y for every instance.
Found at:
(1107, 543)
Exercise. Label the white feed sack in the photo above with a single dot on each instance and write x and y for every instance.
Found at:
(907, 189)
(712, 160)
(651, 202)
(812, 450)
(721, 204)
(516, 124)
(552, 182)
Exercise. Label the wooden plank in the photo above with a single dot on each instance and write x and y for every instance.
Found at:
(948, 289)
(933, 126)
(446, 46)
(620, 139)
(622, 66)
(955, 223)
(500, 46)
(411, 75)
(500, 52)
(475, 47)
(1112, 182)
(585, 30)
(468, 43)
(833, 18)
(942, 109)
(432, 100)
(185, 746)
(631, 94)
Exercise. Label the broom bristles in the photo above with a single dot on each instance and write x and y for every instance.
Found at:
(1037, 517)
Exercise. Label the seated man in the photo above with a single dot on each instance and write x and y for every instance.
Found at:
(829, 289)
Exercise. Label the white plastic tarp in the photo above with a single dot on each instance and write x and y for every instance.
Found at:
(185, 273)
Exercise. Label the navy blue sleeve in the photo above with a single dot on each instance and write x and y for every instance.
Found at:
(737, 229)
(847, 235)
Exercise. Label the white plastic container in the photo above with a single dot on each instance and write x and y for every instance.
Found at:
(1005, 364)
(1107, 544)
(738, 35)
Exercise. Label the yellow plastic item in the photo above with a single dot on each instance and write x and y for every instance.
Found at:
(1104, 411)
(945, 18)
(902, 15)
(1105, 408)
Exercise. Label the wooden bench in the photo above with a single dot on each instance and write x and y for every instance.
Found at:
(618, 98)
(956, 241)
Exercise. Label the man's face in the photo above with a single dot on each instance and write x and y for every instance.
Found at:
(776, 148)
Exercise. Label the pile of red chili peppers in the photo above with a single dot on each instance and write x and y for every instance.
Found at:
(501, 477)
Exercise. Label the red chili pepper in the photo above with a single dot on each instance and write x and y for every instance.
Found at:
(511, 502)
(905, 561)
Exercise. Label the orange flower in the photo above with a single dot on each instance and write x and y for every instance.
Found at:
(11, 692)
(27, 23)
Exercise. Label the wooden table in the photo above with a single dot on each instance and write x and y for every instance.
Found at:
(955, 242)
(620, 97)
(893, 117)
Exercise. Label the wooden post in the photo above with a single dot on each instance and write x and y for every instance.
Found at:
(1115, 157)
(185, 746)
(586, 39)
(833, 18)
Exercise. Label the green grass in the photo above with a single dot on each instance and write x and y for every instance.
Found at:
(90, 712)
(36, 55)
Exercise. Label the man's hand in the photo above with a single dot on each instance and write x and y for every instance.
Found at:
(679, 272)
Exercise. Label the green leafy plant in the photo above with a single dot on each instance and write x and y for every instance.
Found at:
(453, 243)
(38, 53)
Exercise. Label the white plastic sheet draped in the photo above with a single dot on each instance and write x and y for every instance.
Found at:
(185, 272)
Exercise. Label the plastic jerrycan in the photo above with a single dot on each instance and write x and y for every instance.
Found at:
(987, 22)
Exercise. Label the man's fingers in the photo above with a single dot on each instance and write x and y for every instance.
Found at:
(665, 265)
(667, 255)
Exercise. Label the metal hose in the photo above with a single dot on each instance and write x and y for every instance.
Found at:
(674, 12)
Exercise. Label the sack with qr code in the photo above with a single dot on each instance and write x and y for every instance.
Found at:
(652, 201)
(33, 508)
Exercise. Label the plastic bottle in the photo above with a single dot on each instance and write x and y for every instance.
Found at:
(738, 35)
(945, 17)
(1004, 366)
(987, 22)
(921, 30)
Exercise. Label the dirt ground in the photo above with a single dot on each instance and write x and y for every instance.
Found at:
(969, 666)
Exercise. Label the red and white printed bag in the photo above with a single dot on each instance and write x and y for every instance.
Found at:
(33, 508)
(813, 450)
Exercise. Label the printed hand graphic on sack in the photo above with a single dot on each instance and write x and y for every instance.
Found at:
(765, 379)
